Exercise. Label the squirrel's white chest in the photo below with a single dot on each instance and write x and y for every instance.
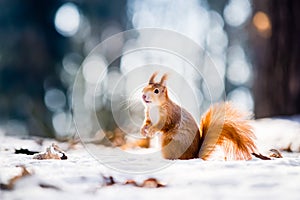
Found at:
(154, 114)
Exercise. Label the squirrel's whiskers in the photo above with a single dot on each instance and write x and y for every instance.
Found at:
(132, 101)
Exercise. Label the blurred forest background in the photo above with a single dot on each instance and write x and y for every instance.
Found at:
(254, 43)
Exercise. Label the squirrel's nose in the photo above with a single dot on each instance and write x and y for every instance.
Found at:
(144, 96)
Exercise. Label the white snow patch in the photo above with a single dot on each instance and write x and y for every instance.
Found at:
(80, 176)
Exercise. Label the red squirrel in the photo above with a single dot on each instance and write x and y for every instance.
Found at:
(222, 125)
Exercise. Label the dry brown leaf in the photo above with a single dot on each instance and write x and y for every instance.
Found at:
(11, 183)
(72, 143)
(288, 148)
(152, 183)
(142, 143)
(108, 181)
(148, 183)
(118, 138)
(275, 153)
(131, 182)
(114, 138)
(52, 152)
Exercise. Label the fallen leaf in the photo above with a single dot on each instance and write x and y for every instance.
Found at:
(142, 143)
(131, 182)
(11, 183)
(152, 183)
(52, 152)
(118, 138)
(72, 143)
(108, 181)
(275, 153)
(288, 149)
(148, 183)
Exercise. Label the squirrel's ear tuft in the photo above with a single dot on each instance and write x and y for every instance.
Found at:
(151, 80)
(163, 80)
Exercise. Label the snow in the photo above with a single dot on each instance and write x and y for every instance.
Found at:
(81, 175)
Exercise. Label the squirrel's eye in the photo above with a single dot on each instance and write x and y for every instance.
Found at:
(156, 91)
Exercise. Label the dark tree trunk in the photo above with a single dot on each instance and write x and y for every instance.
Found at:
(277, 80)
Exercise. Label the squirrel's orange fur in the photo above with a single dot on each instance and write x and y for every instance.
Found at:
(222, 125)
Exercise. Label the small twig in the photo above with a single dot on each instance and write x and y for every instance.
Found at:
(260, 156)
(45, 185)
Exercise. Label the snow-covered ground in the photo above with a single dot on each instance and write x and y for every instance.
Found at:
(81, 175)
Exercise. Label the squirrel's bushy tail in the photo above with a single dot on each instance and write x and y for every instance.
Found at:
(224, 126)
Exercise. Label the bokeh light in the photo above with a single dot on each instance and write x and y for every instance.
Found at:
(262, 23)
(71, 63)
(239, 71)
(194, 16)
(112, 79)
(242, 98)
(61, 122)
(237, 12)
(93, 68)
(55, 99)
(67, 19)
(15, 127)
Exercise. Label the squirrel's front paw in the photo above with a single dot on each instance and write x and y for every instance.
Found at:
(151, 132)
(144, 130)
(148, 131)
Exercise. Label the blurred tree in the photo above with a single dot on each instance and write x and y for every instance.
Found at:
(29, 49)
(277, 85)
(31, 53)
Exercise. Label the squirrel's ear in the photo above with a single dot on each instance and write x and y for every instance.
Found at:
(163, 80)
(151, 80)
